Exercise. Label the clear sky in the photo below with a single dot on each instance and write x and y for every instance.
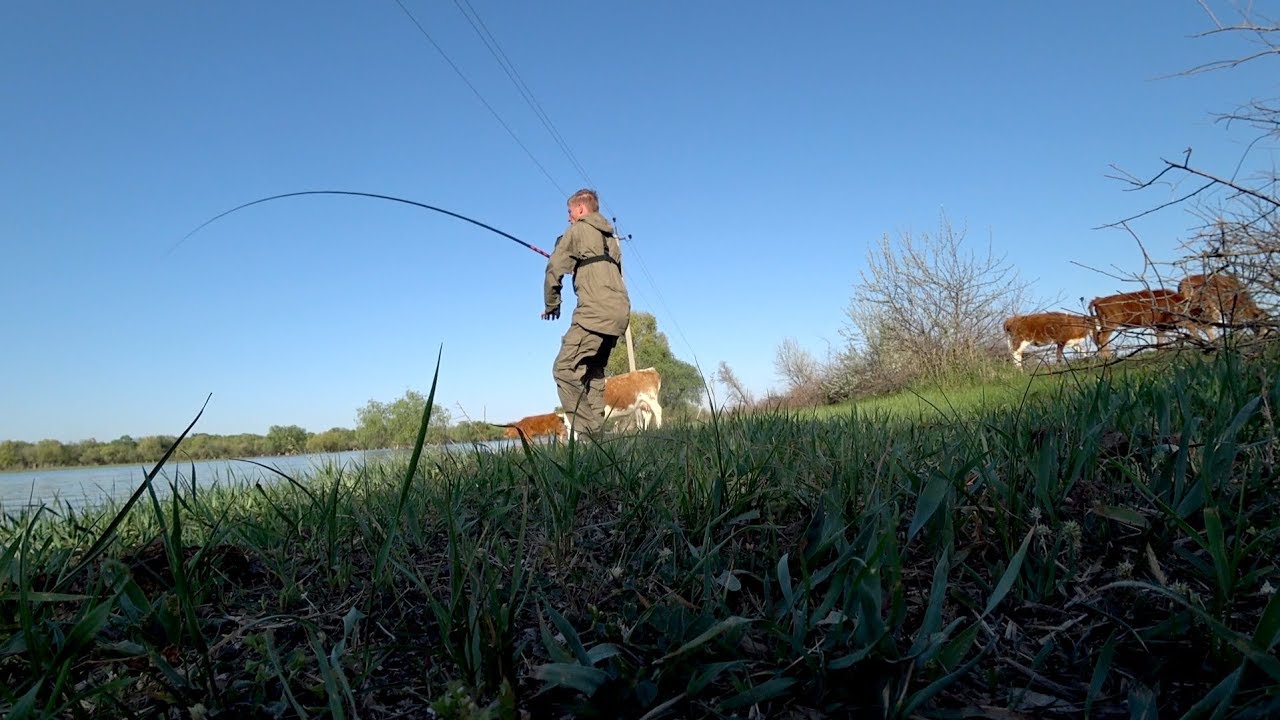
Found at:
(754, 150)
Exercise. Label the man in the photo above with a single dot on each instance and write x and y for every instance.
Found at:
(590, 250)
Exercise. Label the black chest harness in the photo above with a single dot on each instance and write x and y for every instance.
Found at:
(582, 262)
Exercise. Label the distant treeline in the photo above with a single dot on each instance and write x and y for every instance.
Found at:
(378, 426)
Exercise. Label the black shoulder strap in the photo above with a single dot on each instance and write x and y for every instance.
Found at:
(599, 258)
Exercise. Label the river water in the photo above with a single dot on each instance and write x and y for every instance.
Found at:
(84, 486)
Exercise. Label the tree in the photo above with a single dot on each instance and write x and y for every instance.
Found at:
(406, 417)
(373, 426)
(474, 431)
(928, 306)
(739, 396)
(85, 452)
(11, 454)
(120, 451)
(153, 447)
(286, 439)
(682, 385)
(51, 453)
(333, 440)
(1239, 207)
(395, 425)
(801, 372)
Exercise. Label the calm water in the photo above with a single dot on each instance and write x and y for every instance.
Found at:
(80, 487)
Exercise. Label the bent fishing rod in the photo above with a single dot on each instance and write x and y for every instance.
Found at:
(360, 194)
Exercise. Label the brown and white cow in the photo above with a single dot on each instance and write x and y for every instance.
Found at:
(632, 393)
(1160, 309)
(536, 425)
(1046, 328)
(1219, 300)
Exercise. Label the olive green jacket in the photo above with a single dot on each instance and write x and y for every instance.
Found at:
(603, 303)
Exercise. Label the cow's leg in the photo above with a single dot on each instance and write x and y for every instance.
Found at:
(1102, 336)
(569, 430)
(1017, 353)
(644, 414)
(1201, 329)
(1211, 327)
(649, 413)
(1077, 344)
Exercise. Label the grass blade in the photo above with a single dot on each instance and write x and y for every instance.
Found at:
(108, 535)
(1100, 671)
(934, 492)
(707, 636)
(385, 550)
(1267, 632)
(582, 678)
(1010, 575)
(763, 692)
(1122, 514)
(570, 636)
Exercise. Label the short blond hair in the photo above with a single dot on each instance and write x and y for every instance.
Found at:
(585, 196)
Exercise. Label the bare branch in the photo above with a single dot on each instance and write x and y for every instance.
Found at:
(1209, 11)
(1239, 27)
(1226, 64)
(738, 392)
(1139, 185)
(1227, 183)
(1100, 272)
(1158, 208)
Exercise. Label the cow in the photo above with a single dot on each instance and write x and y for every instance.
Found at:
(1046, 328)
(632, 393)
(1160, 309)
(1219, 300)
(535, 426)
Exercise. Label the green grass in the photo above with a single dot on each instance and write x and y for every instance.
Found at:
(935, 400)
(1104, 545)
(1002, 387)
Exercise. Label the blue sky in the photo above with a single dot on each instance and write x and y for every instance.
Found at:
(754, 151)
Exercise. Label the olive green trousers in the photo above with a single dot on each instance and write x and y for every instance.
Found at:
(579, 375)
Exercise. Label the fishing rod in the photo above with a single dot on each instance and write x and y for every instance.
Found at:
(360, 194)
(509, 236)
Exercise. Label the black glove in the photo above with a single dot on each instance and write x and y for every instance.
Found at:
(551, 314)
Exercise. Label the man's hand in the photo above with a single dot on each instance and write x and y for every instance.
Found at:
(552, 314)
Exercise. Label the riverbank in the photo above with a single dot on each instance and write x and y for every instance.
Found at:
(100, 485)
(1104, 546)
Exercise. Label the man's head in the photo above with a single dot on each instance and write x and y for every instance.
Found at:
(583, 203)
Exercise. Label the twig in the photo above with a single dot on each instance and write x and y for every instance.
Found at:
(1102, 272)
(1037, 678)
(1158, 208)
(1215, 179)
